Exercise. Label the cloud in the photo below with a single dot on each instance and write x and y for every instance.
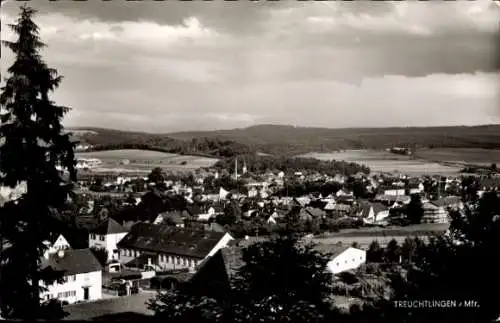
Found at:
(168, 66)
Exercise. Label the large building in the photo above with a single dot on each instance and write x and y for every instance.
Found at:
(162, 247)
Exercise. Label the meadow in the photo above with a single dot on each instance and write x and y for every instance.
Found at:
(381, 161)
(476, 156)
(143, 161)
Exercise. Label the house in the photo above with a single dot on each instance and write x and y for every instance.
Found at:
(163, 247)
(330, 206)
(342, 258)
(272, 219)
(312, 213)
(345, 199)
(82, 276)
(174, 218)
(106, 236)
(342, 209)
(373, 212)
(393, 199)
(223, 194)
(449, 202)
(415, 188)
(343, 192)
(392, 190)
(54, 245)
(434, 213)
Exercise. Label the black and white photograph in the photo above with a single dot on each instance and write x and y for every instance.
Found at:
(250, 161)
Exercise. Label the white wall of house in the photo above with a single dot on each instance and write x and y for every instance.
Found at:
(171, 261)
(395, 192)
(349, 259)
(108, 242)
(72, 289)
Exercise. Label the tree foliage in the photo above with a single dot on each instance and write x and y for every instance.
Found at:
(437, 269)
(414, 209)
(281, 280)
(34, 146)
(259, 164)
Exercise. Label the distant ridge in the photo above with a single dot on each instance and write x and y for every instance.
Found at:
(273, 139)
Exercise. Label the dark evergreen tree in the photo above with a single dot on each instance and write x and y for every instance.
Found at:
(375, 253)
(414, 209)
(392, 252)
(34, 146)
(280, 280)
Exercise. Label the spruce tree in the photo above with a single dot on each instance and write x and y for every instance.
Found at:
(34, 148)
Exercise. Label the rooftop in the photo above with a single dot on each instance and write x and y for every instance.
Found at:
(74, 261)
(108, 226)
(170, 240)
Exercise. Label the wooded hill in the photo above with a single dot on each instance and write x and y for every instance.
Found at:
(281, 139)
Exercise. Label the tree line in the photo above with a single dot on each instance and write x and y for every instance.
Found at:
(259, 164)
(204, 147)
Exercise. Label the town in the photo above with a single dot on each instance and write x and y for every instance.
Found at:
(322, 171)
(123, 236)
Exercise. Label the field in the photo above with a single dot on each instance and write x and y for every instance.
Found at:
(381, 161)
(365, 236)
(143, 161)
(476, 156)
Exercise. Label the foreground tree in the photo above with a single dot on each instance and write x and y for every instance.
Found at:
(414, 209)
(280, 280)
(437, 270)
(34, 146)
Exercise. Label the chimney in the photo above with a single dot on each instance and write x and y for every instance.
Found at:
(60, 253)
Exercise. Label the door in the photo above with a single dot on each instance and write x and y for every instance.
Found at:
(85, 293)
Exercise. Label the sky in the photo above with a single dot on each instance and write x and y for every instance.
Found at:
(179, 66)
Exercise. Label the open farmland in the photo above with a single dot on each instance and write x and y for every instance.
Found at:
(381, 161)
(476, 156)
(142, 161)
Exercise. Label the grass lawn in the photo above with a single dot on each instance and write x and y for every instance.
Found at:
(134, 306)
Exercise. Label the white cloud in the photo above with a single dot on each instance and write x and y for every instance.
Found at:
(294, 68)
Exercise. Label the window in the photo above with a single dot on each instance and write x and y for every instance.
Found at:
(92, 236)
(66, 294)
(101, 237)
(337, 264)
(178, 260)
(184, 261)
(72, 278)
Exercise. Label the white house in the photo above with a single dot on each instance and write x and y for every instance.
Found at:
(162, 247)
(106, 236)
(393, 190)
(82, 276)
(373, 212)
(416, 188)
(60, 243)
(343, 258)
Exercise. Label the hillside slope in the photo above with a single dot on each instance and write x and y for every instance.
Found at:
(279, 139)
(273, 138)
